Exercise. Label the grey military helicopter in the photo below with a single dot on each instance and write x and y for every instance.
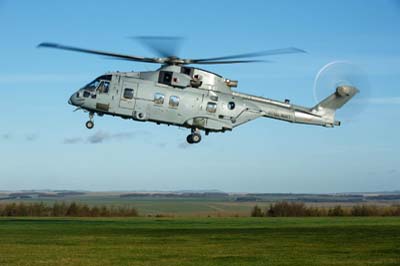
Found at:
(185, 96)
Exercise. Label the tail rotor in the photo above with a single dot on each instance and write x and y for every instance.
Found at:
(339, 74)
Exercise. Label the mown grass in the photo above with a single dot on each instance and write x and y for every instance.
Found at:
(200, 241)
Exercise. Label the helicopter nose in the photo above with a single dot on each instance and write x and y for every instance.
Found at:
(76, 99)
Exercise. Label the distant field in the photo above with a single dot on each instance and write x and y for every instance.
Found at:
(200, 241)
(165, 206)
(198, 204)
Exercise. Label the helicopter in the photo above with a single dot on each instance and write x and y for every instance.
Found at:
(182, 95)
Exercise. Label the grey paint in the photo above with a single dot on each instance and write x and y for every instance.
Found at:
(192, 109)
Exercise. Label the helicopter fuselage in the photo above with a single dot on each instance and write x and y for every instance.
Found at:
(188, 97)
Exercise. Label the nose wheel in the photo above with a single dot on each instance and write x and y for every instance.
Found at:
(194, 137)
(90, 124)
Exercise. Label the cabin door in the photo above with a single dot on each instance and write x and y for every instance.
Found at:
(127, 97)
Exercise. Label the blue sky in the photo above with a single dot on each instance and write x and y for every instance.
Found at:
(43, 144)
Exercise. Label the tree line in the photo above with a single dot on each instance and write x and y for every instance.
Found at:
(63, 209)
(299, 209)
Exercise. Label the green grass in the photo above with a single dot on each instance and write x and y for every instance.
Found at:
(200, 241)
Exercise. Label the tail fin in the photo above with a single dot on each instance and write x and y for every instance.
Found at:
(329, 105)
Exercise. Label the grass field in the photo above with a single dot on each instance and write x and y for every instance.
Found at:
(200, 241)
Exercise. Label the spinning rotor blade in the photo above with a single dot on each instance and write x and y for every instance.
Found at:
(167, 51)
(163, 46)
(290, 50)
(340, 73)
(88, 51)
(230, 62)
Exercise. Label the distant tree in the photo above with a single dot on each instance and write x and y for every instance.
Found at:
(287, 209)
(365, 210)
(72, 209)
(40, 209)
(94, 211)
(104, 211)
(256, 212)
(315, 211)
(10, 209)
(336, 211)
(394, 210)
(84, 210)
(59, 209)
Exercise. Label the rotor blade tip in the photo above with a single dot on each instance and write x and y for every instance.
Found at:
(301, 51)
(46, 44)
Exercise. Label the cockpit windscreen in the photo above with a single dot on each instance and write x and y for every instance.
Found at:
(92, 86)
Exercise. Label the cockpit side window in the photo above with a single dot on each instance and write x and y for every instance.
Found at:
(103, 87)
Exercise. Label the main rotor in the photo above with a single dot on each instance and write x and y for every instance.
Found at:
(165, 48)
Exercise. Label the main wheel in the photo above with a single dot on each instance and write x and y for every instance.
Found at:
(89, 124)
(189, 139)
(196, 137)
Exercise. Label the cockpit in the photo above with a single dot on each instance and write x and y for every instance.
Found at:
(100, 84)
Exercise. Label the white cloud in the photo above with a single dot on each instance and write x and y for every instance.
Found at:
(103, 136)
(31, 137)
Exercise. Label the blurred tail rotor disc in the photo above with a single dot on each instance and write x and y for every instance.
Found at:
(338, 73)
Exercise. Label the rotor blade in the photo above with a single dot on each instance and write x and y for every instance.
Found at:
(231, 62)
(88, 51)
(290, 50)
(163, 46)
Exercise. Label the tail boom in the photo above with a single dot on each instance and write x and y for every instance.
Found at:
(327, 107)
(323, 114)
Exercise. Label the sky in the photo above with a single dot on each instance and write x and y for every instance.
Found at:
(45, 145)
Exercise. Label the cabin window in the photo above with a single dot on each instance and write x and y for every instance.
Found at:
(159, 98)
(104, 87)
(173, 101)
(86, 94)
(231, 105)
(211, 107)
(165, 77)
(128, 93)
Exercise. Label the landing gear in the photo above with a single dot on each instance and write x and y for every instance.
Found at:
(194, 137)
(90, 123)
